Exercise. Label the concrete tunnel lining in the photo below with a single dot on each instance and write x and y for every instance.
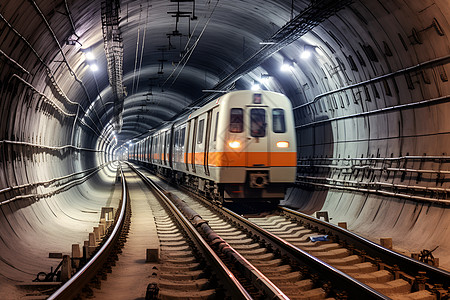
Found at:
(398, 52)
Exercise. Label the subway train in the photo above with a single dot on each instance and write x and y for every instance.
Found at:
(241, 146)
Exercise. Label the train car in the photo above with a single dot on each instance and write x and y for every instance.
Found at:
(240, 146)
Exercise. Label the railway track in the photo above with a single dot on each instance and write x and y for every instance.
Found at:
(185, 266)
(388, 272)
(297, 274)
(210, 252)
(275, 245)
(105, 254)
(246, 281)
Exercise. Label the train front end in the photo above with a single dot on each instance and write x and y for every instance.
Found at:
(258, 157)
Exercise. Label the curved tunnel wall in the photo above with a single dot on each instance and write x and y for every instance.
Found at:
(44, 142)
(373, 135)
(370, 105)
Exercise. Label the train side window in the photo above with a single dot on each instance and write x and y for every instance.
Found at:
(279, 124)
(215, 128)
(201, 124)
(236, 120)
(177, 133)
(258, 122)
(182, 137)
(166, 156)
(168, 142)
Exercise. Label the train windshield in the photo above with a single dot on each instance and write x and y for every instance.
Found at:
(236, 120)
(258, 122)
(279, 125)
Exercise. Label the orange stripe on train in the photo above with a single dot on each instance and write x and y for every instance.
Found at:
(239, 159)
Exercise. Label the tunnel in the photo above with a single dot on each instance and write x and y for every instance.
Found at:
(81, 80)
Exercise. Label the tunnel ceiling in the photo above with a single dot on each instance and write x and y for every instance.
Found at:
(173, 51)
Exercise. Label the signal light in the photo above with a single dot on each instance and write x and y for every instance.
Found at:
(282, 144)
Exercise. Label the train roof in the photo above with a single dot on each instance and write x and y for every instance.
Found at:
(215, 102)
(225, 97)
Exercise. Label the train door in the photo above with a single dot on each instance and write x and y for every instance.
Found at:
(160, 147)
(145, 149)
(193, 139)
(186, 153)
(140, 151)
(163, 152)
(182, 150)
(257, 137)
(206, 146)
(150, 146)
(168, 148)
(153, 152)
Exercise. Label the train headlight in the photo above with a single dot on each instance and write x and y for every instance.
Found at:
(234, 144)
(283, 144)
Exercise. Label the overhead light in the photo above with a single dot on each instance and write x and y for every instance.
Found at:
(306, 54)
(307, 51)
(287, 65)
(94, 67)
(267, 43)
(265, 78)
(255, 86)
(89, 55)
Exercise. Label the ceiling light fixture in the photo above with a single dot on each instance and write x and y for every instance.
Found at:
(307, 52)
(267, 43)
(265, 78)
(94, 67)
(89, 55)
(256, 86)
(288, 65)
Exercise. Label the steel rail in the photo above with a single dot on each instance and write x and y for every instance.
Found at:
(338, 279)
(236, 289)
(258, 279)
(75, 284)
(406, 264)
